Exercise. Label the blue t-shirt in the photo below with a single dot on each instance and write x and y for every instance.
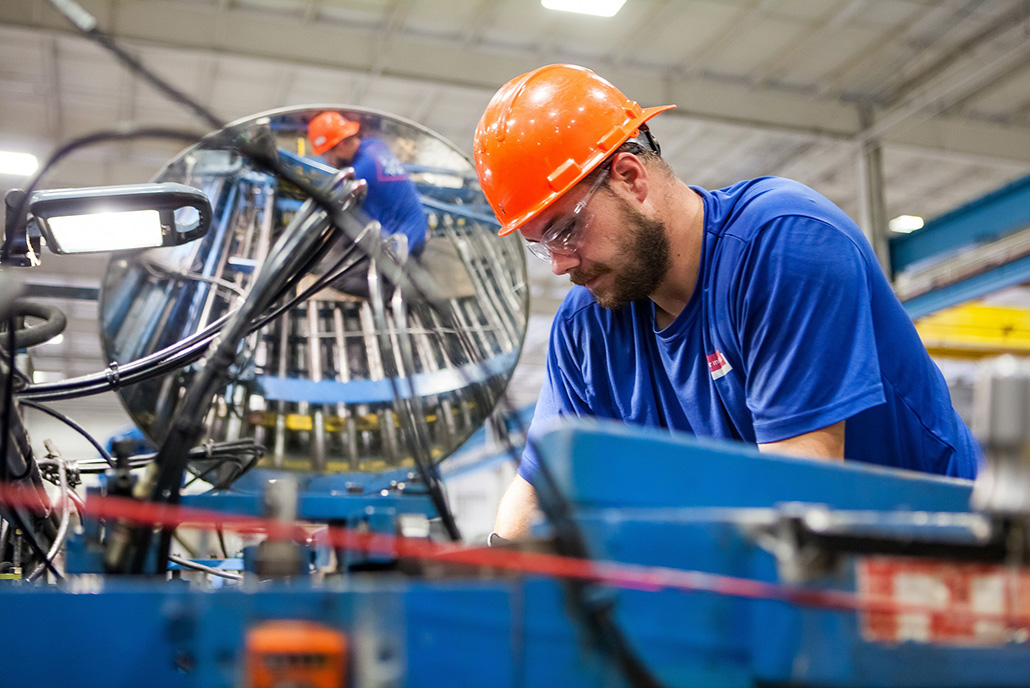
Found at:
(792, 327)
(392, 198)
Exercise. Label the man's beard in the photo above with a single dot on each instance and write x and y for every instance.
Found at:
(642, 267)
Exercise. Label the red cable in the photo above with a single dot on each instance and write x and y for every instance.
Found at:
(615, 574)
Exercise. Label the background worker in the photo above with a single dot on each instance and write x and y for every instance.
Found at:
(757, 312)
(392, 198)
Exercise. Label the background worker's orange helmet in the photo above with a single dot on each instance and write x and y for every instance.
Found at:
(328, 129)
(544, 131)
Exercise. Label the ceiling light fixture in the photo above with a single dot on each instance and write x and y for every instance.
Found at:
(904, 224)
(18, 164)
(600, 8)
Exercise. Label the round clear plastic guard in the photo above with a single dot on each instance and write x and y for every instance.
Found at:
(339, 383)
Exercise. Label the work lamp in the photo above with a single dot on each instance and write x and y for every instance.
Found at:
(118, 218)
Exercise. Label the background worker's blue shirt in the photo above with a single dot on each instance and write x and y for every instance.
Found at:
(792, 327)
(392, 198)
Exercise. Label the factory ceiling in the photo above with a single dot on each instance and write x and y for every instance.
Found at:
(785, 87)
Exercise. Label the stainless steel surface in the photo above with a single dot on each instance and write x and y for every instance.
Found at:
(1001, 422)
(338, 383)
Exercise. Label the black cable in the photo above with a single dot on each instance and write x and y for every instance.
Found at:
(241, 466)
(102, 381)
(53, 325)
(5, 432)
(87, 24)
(8, 397)
(262, 159)
(73, 425)
(240, 451)
(205, 473)
(335, 271)
(170, 358)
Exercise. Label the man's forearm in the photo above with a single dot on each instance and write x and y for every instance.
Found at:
(824, 443)
(516, 510)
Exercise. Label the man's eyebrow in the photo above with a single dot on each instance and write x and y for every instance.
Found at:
(546, 228)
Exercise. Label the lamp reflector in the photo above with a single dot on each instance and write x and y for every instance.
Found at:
(115, 231)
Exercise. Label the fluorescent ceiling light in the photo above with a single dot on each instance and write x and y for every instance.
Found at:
(107, 231)
(600, 8)
(903, 224)
(18, 164)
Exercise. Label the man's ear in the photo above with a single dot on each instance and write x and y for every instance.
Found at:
(629, 176)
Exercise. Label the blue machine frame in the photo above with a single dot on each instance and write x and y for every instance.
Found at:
(640, 498)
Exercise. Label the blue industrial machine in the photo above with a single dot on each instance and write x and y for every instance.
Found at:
(822, 574)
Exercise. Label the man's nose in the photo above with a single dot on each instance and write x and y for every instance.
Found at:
(562, 263)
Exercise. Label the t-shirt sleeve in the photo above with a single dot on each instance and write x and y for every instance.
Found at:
(560, 395)
(805, 322)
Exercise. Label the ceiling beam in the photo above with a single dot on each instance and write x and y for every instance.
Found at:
(834, 20)
(660, 12)
(695, 59)
(380, 53)
(967, 50)
(924, 101)
(477, 21)
(444, 61)
(52, 90)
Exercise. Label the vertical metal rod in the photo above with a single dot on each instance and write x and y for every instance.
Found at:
(387, 426)
(348, 432)
(317, 444)
(487, 301)
(446, 434)
(283, 330)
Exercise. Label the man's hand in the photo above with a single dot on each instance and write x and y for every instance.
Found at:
(824, 443)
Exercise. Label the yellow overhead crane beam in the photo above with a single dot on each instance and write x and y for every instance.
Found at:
(975, 330)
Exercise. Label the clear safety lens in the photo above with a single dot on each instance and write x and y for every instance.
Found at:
(562, 236)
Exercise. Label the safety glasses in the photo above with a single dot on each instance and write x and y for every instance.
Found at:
(563, 233)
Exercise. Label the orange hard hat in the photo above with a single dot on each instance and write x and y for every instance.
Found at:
(328, 129)
(544, 131)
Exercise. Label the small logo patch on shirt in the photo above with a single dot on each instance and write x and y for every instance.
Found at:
(718, 365)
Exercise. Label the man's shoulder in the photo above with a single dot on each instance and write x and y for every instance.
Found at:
(769, 190)
(743, 209)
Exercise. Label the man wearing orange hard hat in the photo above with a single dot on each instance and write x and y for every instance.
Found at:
(391, 196)
(756, 313)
